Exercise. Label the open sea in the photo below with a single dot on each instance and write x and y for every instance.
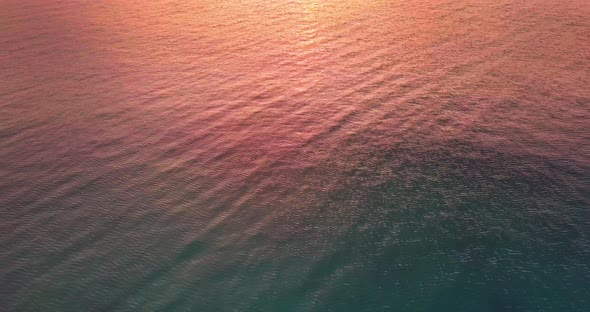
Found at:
(295, 155)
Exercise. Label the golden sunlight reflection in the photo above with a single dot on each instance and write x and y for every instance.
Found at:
(307, 30)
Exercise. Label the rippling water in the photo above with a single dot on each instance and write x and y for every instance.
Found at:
(312, 155)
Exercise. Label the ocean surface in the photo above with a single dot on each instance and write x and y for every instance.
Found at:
(311, 155)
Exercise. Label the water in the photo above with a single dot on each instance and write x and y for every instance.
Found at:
(294, 155)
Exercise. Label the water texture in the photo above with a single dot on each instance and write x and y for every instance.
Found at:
(312, 155)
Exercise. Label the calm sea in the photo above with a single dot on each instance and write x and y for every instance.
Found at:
(295, 155)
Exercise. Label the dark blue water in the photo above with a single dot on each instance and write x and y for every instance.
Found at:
(294, 155)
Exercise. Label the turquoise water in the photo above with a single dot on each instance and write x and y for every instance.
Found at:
(294, 155)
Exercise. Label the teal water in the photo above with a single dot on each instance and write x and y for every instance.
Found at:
(294, 155)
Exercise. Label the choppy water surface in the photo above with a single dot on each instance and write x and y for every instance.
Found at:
(294, 155)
